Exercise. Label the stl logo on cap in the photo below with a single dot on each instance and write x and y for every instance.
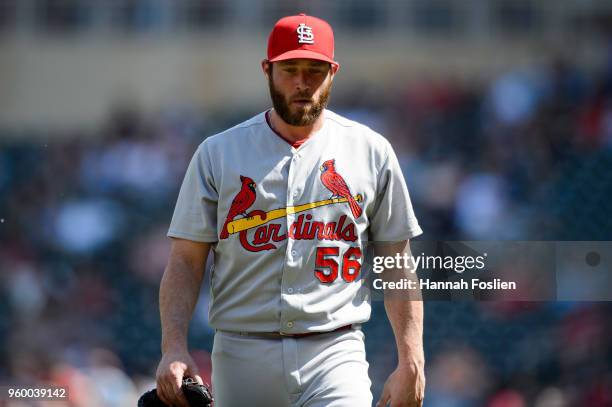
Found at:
(293, 37)
(305, 35)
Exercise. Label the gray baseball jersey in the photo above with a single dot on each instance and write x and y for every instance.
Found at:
(290, 224)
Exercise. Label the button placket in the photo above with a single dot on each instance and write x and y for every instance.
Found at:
(289, 218)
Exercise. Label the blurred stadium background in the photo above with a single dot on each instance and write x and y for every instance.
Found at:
(500, 112)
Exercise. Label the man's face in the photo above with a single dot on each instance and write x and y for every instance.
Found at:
(299, 89)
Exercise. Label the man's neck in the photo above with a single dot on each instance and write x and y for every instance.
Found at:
(295, 133)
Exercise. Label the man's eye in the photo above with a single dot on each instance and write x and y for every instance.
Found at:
(290, 70)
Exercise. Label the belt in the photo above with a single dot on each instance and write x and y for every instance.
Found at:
(280, 335)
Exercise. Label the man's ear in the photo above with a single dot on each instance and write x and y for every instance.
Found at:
(334, 69)
(265, 67)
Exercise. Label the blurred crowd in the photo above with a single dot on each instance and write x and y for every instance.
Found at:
(524, 156)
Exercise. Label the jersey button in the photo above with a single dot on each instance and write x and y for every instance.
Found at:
(290, 290)
(290, 324)
(293, 252)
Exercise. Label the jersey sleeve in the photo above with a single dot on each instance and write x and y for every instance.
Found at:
(195, 213)
(393, 218)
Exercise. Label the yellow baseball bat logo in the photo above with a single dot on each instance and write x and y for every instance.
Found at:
(241, 224)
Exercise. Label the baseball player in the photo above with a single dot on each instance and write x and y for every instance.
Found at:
(286, 201)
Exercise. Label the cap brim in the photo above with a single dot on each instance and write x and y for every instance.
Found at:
(303, 53)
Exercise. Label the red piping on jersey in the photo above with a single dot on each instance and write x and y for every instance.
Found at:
(294, 144)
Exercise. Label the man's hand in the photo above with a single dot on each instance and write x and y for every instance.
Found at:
(405, 387)
(170, 372)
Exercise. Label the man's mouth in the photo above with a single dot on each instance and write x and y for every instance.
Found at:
(302, 102)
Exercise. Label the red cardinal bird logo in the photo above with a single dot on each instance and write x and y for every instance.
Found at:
(336, 184)
(242, 201)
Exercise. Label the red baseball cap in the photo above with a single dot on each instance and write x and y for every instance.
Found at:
(301, 36)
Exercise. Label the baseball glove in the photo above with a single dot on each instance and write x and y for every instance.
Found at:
(197, 395)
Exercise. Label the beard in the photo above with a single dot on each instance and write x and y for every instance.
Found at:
(303, 115)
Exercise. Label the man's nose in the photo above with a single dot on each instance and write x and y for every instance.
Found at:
(302, 80)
